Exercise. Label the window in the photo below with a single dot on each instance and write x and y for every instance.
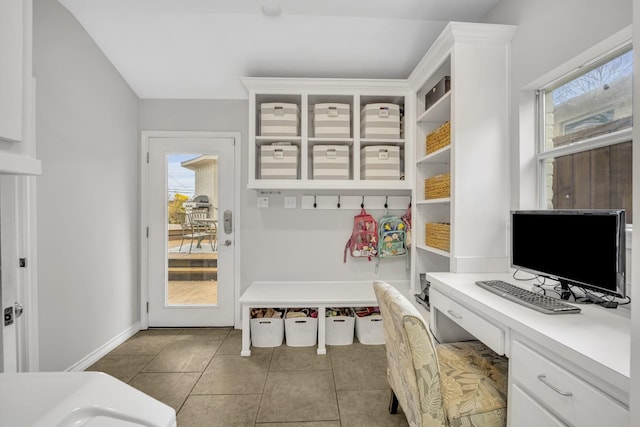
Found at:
(585, 123)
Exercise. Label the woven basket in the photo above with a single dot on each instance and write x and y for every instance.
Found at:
(438, 235)
(437, 187)
(439, 138)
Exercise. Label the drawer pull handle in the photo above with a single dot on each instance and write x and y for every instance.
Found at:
(543, 380)
(453, 313)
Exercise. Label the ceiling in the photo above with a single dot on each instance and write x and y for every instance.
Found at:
(198, 49)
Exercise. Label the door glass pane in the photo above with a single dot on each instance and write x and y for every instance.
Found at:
(192, 258)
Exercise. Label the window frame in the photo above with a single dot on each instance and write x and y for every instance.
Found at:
(599, 141)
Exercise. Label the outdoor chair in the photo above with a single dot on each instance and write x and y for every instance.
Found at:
(198, 227)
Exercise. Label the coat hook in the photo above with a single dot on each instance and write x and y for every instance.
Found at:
(362, 203)
(338, 200)
(386, 202)
(315, 205)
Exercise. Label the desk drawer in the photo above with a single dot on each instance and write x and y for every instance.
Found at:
(485, 331)
(529, 413)
(571, 398)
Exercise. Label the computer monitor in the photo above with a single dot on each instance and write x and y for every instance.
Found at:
(584, 248)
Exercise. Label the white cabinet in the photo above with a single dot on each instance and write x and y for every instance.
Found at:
(545, 383)
(11, 68)
(477, 162)
(17, 100)
(530, 412)
(302, 95)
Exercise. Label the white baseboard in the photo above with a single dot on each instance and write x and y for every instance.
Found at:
(103, 350)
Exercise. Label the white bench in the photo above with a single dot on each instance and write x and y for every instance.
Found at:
(318, 295)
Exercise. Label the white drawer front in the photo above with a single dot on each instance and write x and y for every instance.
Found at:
(485, 331)
(573, 399)
(524, 411)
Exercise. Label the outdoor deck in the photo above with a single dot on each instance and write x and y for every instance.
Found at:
(192, 277)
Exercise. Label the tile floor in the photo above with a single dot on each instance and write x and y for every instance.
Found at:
(201, 374)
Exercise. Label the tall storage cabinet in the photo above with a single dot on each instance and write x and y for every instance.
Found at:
(329, 120)
(475, 163)
(17, 100)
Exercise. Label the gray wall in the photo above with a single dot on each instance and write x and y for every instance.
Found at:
(276, 243)
(87, 196)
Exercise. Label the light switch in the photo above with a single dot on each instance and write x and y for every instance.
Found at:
(290, 202)
(263, 201)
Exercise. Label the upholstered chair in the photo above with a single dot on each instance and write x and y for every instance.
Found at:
(439, 385)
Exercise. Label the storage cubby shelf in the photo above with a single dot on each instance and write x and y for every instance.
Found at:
(434, 250)
(442, 200)
(318, 185)
(475, 57)
(439, 112)
(443, 155)
(305, 94)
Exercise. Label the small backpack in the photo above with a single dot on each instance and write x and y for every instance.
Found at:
(364, 237)
(392, 236)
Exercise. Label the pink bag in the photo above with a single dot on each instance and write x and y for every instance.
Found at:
(364, 237)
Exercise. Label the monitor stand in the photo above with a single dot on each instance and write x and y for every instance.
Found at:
(589, 298)
(565, 293)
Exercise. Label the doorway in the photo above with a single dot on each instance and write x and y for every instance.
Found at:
(190, 192)
(19, 333)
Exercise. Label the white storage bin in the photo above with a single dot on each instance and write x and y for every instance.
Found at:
(267, 327)
(380, 162)
(279, 119)
(330, 162)
(339, 329)
(301, 331)
(279, 161)
(380, 121)
(331, 120)
(267, 332)
(369, 329)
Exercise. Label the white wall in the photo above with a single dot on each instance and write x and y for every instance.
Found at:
(550, 33)
(277, 243)
(635, 308)
(87, 196)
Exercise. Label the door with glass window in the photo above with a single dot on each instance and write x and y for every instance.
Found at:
(191, 231)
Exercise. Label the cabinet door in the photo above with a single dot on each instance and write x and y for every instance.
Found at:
(11, 69)
(526, 412)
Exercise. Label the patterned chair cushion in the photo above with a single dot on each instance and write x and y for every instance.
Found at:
(473, 382)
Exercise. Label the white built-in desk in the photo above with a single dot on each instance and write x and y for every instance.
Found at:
(570, 369)
(318, 295)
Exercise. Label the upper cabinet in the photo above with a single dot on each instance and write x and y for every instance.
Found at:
(11, 69)
(17, 145)
(329, 134)
(462, 168)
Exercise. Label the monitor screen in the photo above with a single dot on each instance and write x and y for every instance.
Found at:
(585, 248)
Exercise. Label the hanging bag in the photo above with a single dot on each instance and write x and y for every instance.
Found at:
(364, 237)
(407, 226)
(392, 237)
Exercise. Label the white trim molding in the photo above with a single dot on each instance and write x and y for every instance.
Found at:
(104, 349)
